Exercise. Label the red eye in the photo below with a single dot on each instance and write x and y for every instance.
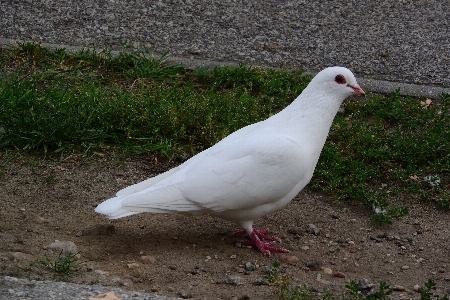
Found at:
(340, 79)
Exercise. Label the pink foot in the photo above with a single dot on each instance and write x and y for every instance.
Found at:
(264, 247)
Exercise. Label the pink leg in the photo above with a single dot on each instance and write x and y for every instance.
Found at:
(264, 247)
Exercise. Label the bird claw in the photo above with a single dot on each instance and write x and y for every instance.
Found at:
(265, 247)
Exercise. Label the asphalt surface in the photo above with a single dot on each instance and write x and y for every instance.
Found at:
(387, 44)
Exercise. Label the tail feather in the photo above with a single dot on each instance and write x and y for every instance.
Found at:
(146, 183)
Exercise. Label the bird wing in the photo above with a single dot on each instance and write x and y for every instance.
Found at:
(247, 173)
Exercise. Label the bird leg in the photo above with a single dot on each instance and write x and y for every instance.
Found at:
(264, 247)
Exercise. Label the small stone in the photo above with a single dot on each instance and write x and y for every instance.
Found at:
(327, 271)
(365, 284)
(398, 288)
(172, 267)
(65, 246)
(441, 270)
(154, 290)
(132, 265)
(290, 259)
(339, 274)
(233, 280)
(148, 259)
(335, 216)
(233, 256)
(260, 281)
(313, 229)
(416, 288)
(245, 297)
(304, 248)
(249, 266)
(405, 267)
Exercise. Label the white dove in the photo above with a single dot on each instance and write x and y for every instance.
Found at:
(252, 172)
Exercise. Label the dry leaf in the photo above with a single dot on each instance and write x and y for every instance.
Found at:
(109, 295)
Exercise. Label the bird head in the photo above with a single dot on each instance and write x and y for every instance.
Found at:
(338, 81)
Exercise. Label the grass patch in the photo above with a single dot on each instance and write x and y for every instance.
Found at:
(379, 149)
(63, 263)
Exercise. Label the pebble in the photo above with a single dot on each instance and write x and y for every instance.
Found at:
(365, 284)
(65, 246)
(313, 229)
(339, 274)
(260, 281)
(148, 259)
(290, 259)
(233, 280)
(249, 266)
(416, 288)
(398, 288)
(327, 271)
(173, 267)
(405, 267)
(132, 265)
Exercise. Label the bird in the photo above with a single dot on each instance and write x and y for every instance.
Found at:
(252, 172)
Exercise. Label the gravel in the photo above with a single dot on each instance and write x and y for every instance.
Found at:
(399, 41)
(14, 289)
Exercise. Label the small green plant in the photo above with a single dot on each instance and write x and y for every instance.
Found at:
(427, 292)
(62, 263)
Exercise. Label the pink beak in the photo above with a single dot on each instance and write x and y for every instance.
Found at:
(357, 90)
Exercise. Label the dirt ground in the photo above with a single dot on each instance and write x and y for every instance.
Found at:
(197, 257)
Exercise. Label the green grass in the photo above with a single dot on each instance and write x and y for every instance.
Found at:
(62, 263)
(380, 149)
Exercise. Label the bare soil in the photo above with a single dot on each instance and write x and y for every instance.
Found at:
(193, 257)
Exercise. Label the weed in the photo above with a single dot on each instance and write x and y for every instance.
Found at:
(63, 263)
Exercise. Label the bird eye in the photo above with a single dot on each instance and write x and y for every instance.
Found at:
(340, 79)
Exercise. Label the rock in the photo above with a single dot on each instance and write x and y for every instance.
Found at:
(249, 266)
(148, 259)
(327, 271)
(365, 284)
(22, 256)
(260, 281)
(304, 248)
(335, 216)
(339, 274)
(65, 246)
(290, 259)
(132, 265)
(405, 267)
(416, 288)
(99, 229)
(398, 288)
(245, 297)
(233, 280)
(172, 267)
(313, 229)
